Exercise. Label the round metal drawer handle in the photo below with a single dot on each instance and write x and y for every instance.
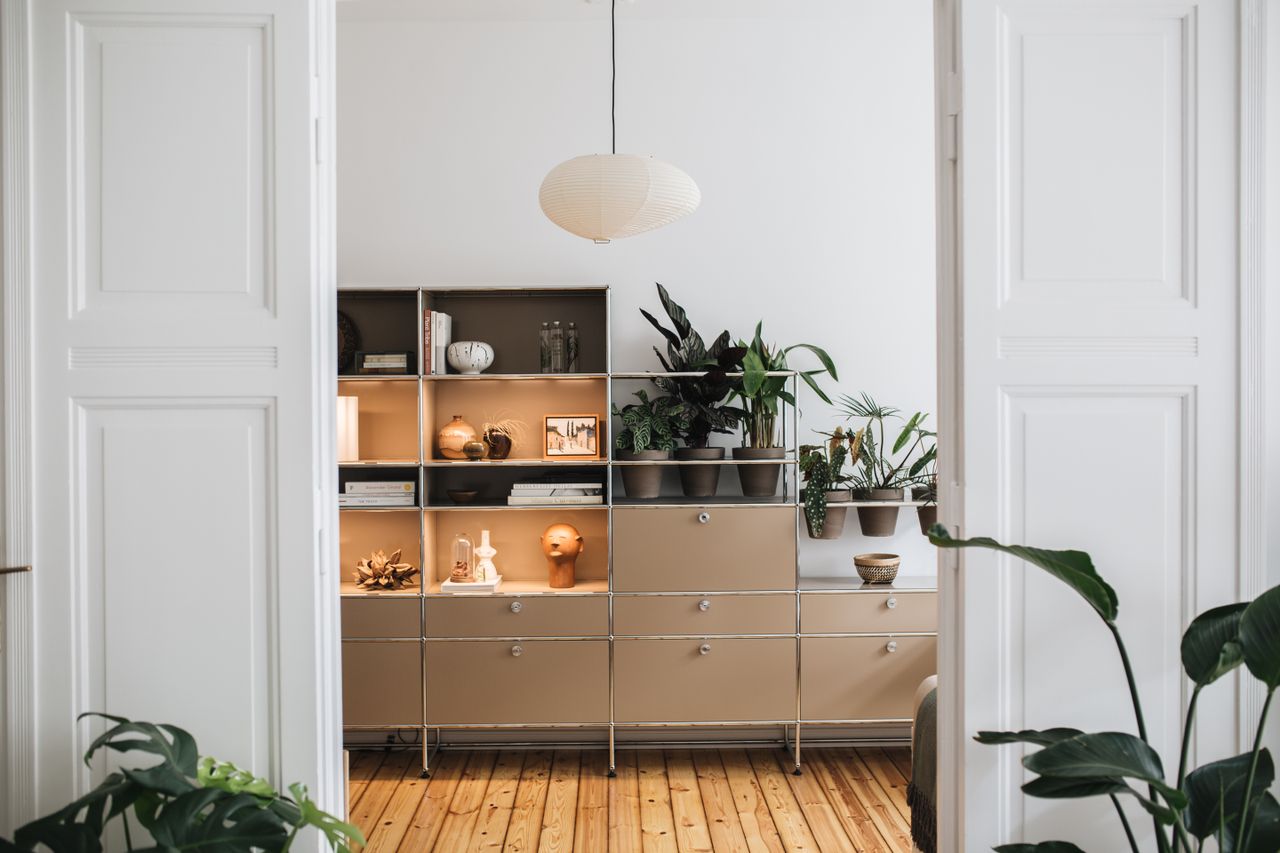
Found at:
(704, 605)
(891, 603)
(891, 646)
(704, 649)
(704, 517)
(517, 606)
(516, 651)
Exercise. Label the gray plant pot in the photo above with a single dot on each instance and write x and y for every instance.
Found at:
(699, 481)
(928, 516)
(878, 520)
(759, 481)
(833, 526)
(642, 481)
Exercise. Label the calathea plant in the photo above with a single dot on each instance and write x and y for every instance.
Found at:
(183, 801)
(1229, 800)
(706, 393)
(651, 424)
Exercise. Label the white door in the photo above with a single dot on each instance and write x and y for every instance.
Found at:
(1098, 150)
(178, 306)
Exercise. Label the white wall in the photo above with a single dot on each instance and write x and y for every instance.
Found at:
(807, 125)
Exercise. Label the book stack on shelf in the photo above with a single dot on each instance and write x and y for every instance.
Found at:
(557, 490)
(378, 493)
(437, 330)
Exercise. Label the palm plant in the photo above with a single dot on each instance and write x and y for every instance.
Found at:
(183, 801)
(760, 392)
(687, 353)
(1228, 800)
(881, 468)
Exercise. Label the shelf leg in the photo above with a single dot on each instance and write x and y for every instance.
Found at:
(428, 752)
(796, 754)
(613, 758)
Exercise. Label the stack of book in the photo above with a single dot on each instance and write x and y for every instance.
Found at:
(378, 493)
(557, 490)
(383, 362)
(437, 330)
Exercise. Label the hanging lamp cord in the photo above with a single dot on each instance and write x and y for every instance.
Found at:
(613, 79)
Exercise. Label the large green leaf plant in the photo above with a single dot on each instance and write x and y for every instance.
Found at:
(761, 386)
(183, 801)
(1229, 800)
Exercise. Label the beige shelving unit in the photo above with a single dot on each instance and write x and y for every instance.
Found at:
(687, 613)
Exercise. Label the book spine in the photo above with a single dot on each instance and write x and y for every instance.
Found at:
(374, 500)
(428, 320)
(543, 487)
(380, 488)
(444, 336)
(515, 500)
(438, 364)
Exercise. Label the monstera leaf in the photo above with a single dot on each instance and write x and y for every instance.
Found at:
(1211, 644)
(1074, 568)
(210, 819)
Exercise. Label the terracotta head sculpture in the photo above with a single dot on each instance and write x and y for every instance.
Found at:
(561, 543)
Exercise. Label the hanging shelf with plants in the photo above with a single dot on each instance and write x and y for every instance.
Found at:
(882, 472)
(825, 483)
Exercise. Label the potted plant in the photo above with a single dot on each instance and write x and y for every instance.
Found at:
(760, 393)
(821, 467)
(648, 435)
(706, 394)
(924, 472)
(881, 471)
(501, 434)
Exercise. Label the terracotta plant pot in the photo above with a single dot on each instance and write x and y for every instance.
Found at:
(642, 481)
(877, 568)
(759, 481)
(699, 481)
(833, 526)
(878, 520)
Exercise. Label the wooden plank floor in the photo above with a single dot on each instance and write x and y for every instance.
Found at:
(683, 801)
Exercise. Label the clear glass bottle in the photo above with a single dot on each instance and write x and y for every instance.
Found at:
(464, 559)
(557, 347)
(544, 348)
(571, 348)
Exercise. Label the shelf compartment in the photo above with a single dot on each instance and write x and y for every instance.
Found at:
(382, 683)
(716, 501)
(362, 533)
(509, 319)
(504, 615)
(885, 683)
(494, 483)
(388, 417)
(489, 506)
(369, 618)
(386, 321)
(516, 536)
(491, 375)
(525, 400)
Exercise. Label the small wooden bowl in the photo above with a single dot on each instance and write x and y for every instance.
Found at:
(877, 568)
(462, 496)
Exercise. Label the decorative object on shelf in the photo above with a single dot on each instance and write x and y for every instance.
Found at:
(605, 197)
(821, 466)
(882, 473)
(470, 357)
(544, 348)
(462, 496)
(877, 568)
(380, 572)
(502, 434)
(348, 343)
(555, 345)
(475, 449)
(562, 544)
(760, 394)
(388, 363)
(453, 438)
(706, 395)
(648, 435)
(485, 569)
(571, 435)
(557, 489)
(463, 566)
(348, 429)
(571, 348)
(437, 331)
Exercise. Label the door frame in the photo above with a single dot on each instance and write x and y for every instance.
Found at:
(18, 730)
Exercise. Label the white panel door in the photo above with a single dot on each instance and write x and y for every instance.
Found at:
(1098, 152)
(179, 308)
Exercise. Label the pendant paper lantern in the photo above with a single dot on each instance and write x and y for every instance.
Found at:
(605, 197)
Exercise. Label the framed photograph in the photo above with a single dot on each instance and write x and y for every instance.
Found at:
(570, 436)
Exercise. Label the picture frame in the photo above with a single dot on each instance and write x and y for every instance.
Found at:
(571, 437)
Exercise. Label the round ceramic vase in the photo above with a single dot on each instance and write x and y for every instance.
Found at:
(469, 357)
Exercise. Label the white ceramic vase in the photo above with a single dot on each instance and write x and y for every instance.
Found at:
(485, 570)
(469, 357)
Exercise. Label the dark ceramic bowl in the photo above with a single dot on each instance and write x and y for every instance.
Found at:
(462, 496)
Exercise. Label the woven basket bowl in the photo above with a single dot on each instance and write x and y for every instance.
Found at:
(877, 568)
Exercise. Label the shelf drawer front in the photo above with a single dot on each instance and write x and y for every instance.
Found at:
(382, 683)
(486, 682)
(672, 681)
(868, 612)
(381, 617)
(699, 615)
(857, 678)
(518, 616)
(668, 549)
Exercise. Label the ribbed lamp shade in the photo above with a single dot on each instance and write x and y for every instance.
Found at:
(606, 197)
